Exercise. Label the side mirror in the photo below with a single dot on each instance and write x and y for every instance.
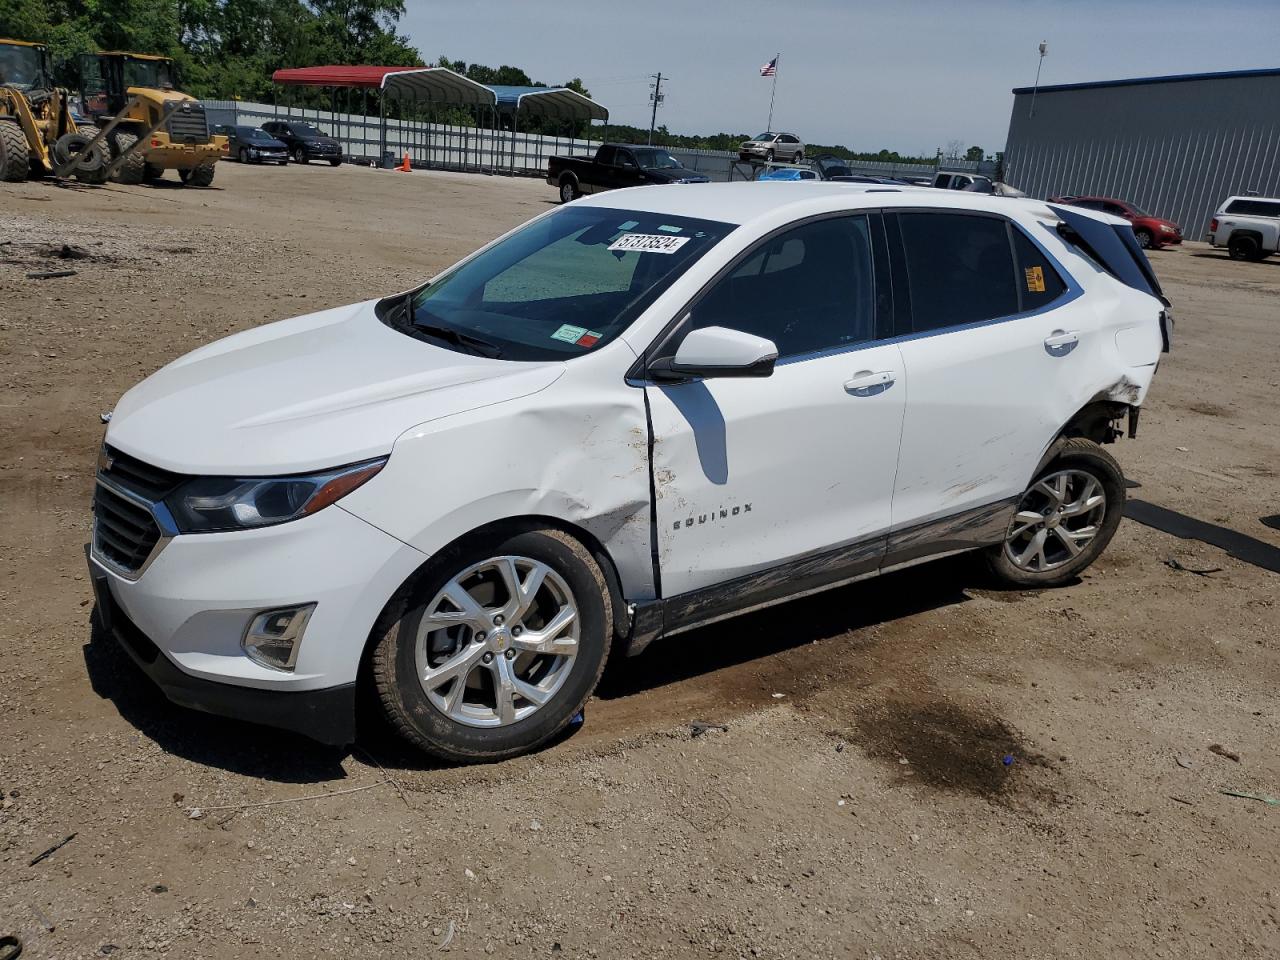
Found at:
(717, 352)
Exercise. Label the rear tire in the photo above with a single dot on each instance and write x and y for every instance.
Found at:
(517, 699)
(152, 173)
(134, 168)
(1065, 519)
(201, 176)
(15, 157)
(335, 163)
(1244, 248)
(568, 190)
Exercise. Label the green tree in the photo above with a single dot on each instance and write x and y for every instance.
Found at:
(974, 153)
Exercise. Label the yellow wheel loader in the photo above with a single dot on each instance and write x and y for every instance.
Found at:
(148, 126)
(37, 133)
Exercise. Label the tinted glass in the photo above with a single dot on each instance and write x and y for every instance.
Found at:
(559, 287)
(959, 267)
(606, 155)
(811, 288)
(1257, 208)
(1039, 283)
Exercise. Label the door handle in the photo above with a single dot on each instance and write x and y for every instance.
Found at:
(1061, 342)
(867, 383)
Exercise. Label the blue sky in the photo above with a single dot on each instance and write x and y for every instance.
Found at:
(910, 75)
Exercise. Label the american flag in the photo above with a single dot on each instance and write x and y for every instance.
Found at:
(770, 68)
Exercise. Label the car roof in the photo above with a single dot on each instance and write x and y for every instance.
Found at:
(1239, 196)
(741, 202)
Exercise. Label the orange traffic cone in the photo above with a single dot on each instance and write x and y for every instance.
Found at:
(404, 165)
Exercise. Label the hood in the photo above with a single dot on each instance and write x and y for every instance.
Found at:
(672, 174)
(271, 144)
(320, 139)
(305, 394)
(1157, 222)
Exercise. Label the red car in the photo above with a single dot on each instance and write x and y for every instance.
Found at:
(1152, 232)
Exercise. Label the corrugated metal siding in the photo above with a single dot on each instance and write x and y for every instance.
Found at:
(1176, 149)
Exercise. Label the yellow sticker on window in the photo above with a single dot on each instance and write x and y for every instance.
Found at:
(1035, 279)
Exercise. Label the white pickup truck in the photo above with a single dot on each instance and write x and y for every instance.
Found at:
(1249, 227)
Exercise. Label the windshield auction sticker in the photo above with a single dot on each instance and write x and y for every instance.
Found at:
(649, 243)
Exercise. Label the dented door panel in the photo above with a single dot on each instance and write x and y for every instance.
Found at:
(752, 473)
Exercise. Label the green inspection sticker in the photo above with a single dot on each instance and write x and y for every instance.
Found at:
(569, 333)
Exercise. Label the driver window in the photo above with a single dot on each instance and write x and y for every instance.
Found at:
(808, 289)
(625, 159)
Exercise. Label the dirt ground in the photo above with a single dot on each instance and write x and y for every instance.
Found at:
(858, 803)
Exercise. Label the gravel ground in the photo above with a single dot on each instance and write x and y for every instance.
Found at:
(856, 805)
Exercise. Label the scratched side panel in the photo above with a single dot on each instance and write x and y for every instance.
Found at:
(577, 451)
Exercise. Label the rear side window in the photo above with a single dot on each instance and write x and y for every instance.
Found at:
(809, 289)
(960, 269)
(1039, 284)
(1256, 208)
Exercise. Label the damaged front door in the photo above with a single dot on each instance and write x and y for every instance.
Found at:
(752, 474)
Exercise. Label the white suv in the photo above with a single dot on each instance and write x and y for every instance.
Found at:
(1249, 227)
(633, 415)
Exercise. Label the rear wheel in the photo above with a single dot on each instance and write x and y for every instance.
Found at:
(496, 648)
(1244, 248)
(335, 163)
(152, 173)
(134, 167)
(568, 190)
(1065, 519)
(15, 158)
(201, 176)
(800, 156)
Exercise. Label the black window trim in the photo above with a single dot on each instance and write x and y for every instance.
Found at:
(903, 319)
(671, 333)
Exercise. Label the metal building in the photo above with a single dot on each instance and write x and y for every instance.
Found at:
(1175, 146)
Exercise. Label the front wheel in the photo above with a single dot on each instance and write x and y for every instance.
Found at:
(300, 155)
(1145, 240)
(201, 176)
(1065, 519)
(768, 157)
(495, 649)
(335, 163)
(243, 155)
(15, 157)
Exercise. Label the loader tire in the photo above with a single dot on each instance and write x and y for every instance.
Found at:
(151, 173)
(134, 168)
(201, 176)
(15, 158)
(95, 166)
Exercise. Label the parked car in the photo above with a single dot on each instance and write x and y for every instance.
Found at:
(788, 173)
(767, 147)
(1151, 232)
(868, 178)
(630, 416)
(1249, 227)
(254, 145)
(617, 165)
(305, 141)
(945, 180)
(829, 166)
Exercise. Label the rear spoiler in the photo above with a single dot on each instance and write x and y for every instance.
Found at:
(1115, 249)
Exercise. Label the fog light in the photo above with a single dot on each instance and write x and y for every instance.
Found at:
(273, 637)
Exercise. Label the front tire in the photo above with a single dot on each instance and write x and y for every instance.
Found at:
(15, 160)
(300, 155)
(494, 649)
(201, 176)
(1145, 240)
(134, 168)
(1064, 520)
(243, 155)
(335, 163)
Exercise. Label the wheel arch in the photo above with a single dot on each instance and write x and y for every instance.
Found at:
(508, 526)
(1095, 421)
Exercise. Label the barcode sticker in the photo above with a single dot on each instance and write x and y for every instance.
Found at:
(1035, 279)
(648, 243)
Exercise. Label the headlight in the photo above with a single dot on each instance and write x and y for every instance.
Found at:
(241, 503)
(1168, 229)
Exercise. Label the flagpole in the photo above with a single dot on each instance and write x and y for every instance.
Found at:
(776, 57)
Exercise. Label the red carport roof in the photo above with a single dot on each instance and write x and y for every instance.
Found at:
(336, 76)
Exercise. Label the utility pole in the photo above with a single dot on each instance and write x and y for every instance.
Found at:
(1044, 48)
(657, 97)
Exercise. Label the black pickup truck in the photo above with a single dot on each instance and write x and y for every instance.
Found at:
(617, 165)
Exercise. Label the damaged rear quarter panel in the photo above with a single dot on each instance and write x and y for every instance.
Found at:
(576, 452)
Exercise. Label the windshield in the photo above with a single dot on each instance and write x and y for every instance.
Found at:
(1137, 211)
(764, 136)
(255, 134)
(559, 287)
(20, 66)
(306, 130)
(148, 73)
(651, 159)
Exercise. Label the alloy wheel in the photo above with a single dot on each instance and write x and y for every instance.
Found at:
(1056, 521)
(497, 642)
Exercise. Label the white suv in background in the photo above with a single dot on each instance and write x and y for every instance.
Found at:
(1249, 227)
(633, 415)
(768, 147)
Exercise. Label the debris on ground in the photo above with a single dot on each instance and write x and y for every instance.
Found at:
(50, 274)
(448, 937)
(52, 850)
(1222, 751)
(1173, 564)
(1183, 762)
(698, 727)
(1260, 797)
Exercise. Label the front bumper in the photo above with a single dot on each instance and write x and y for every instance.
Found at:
(188, 611)
(326, 716)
